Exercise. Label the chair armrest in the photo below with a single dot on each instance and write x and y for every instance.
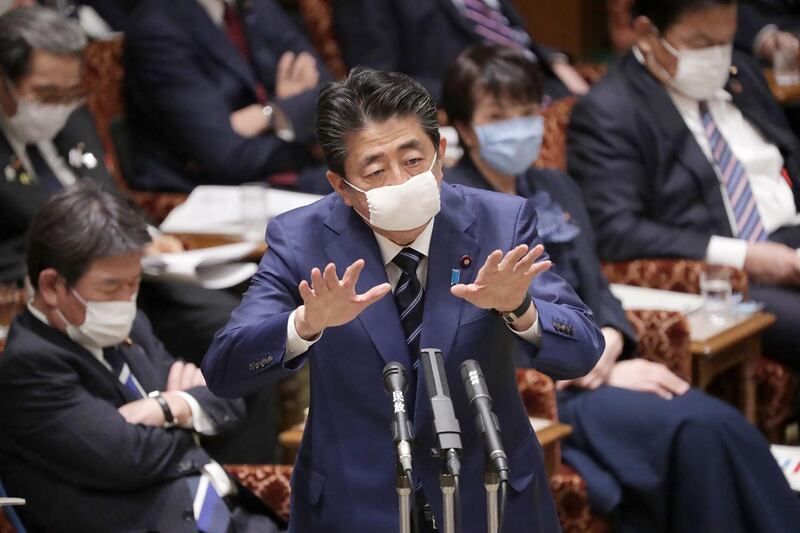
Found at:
(679, 275)
(664, 337)
(538, 393)
(271, 483)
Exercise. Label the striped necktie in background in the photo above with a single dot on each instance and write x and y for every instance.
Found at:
(494, 27)
(749, 225)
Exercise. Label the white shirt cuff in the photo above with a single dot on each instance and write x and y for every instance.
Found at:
(219, 478)
(726, 251)
(200, 422)
(295, 344)
(533, 334)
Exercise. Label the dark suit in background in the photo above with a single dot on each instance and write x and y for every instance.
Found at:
(80, 465)
(185, 77)
(649, 462)
(649, 188)
(420, 38)
(754, 15)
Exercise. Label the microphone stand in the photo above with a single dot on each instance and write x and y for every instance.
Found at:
(404, 499)
(492, 484)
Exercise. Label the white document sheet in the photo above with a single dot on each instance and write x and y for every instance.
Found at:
(643, 298)
(218, 267)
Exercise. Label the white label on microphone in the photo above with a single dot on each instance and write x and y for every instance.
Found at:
(399, 403)
(473, 377)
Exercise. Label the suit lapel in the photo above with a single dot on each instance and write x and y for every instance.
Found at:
(683, 145)
(355, 240)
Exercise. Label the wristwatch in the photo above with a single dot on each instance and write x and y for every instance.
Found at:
(169, 418)
(512, 316)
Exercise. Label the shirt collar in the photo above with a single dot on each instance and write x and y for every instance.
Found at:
(215, 10)
(422, 244)
(94, 350)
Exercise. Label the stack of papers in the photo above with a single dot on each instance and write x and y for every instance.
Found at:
(788, 458)
(643, 298)
(217, 210)
(218, 267)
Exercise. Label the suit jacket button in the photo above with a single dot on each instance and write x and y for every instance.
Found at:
(188, 516)
(251, 366)
(268, 360)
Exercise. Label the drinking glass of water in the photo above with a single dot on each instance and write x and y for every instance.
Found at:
(715, 287)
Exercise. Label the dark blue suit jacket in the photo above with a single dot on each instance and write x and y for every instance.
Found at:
(579, 255)
(66, 449)
(649, 188)
(184, 79)
(420, 38)
(344, 474)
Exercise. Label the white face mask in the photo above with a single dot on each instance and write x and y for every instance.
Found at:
(35, 122)
(106, 324)
(703, 72)
(403, 207)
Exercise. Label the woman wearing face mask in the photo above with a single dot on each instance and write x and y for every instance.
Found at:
(656, 455)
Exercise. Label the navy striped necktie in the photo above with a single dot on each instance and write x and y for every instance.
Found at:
(408, 296)
(734, 176)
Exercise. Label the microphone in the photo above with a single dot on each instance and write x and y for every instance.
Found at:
(396, 383)
(485, 419)
(445, 423)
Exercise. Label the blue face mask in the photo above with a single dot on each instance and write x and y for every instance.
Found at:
(511, 146)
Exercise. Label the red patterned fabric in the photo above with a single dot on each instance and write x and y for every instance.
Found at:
(554, 145)
(664, 337)
(572, 503)
(679, 275)
(777, 390)
(271, 483)
(318, 16)
(103, 77)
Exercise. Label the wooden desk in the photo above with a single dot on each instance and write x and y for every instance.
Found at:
(734, 347)
(194, 241)
(784, 94)
(548, 438)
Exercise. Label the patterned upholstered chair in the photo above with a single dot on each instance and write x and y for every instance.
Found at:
(104, 76)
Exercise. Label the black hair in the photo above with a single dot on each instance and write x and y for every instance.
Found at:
(664, 13)
(368, 95)
(79, 225)
(500, 71)
(26, 29)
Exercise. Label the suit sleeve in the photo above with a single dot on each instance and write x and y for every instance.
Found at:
(223, 414)
(194, 109)
(248, 353)
(83, 439)
(613, 157)
(571, 343)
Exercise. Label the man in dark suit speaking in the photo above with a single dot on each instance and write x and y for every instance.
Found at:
(322, 296)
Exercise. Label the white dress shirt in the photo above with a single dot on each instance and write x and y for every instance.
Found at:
(296, 345)
(215, 10)
(762, 161)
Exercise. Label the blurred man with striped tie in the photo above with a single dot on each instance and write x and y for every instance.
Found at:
(99, 426)
(422, 38)
(683, 152)
(393, 261)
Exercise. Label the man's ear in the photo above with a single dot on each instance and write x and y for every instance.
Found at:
(338, 184)
(49, 282)
(645, 32)
(442, 149)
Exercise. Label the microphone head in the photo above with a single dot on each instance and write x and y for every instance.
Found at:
(394, 377)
